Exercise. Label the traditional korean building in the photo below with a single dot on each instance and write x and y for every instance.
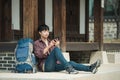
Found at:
(83, 26)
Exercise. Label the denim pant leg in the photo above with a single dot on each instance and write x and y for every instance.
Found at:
(50, 63)
(59, 67)
(80, 67)
(77, 66)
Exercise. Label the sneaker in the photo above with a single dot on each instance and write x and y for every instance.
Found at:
(71, 70)
(94, 66)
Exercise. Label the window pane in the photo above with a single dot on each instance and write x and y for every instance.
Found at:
(111, 7)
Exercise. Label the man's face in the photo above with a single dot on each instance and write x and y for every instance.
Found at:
(44, 34)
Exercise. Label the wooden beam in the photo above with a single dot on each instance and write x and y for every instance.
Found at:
(30, 18)
(98, 23)
(82, 46)
(60, 21)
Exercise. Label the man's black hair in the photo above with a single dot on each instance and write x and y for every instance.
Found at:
(43, 27)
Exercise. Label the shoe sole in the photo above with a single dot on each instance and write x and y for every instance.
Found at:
(98, 63)
(96, 68)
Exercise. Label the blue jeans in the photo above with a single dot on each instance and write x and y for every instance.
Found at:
(56, 55)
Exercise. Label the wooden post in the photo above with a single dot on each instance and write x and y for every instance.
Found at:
(98, 23)
(63, 26)
(60, 22)
(0, 18)
(30, 18)
(6, 21)
(87, 21)
(57, 18)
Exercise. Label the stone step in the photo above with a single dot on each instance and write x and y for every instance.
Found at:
(105, 72)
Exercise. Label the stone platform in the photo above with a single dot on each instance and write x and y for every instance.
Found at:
(105, 72)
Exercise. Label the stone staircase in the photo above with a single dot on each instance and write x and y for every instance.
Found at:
(105, 72)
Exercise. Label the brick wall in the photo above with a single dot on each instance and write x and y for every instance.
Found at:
(80, 56)
(7, 61)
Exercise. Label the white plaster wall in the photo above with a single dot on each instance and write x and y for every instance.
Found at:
(16, 14)
(82, 16)
(49, 14)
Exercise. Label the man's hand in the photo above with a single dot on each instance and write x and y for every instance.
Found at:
(54, 42)
(46, 50)
(57, 42)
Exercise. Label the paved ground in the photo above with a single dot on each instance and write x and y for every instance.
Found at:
(105, 72)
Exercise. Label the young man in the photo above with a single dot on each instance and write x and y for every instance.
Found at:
(51, 58)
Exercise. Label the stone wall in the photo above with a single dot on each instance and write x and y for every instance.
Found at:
(113, 56)
(109, 30)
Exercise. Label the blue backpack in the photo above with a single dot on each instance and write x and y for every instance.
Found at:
(25, 59)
